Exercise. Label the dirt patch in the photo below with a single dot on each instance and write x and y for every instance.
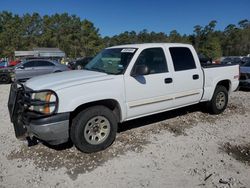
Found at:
(239, 152)
(73, 160)
(239, 108)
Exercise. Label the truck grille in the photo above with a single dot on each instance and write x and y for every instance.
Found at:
(16, 108)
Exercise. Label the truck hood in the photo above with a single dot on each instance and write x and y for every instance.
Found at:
(57, 81)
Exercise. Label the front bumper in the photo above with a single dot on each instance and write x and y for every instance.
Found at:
(53, 129)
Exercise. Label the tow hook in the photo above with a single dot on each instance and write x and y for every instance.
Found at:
(32, 141)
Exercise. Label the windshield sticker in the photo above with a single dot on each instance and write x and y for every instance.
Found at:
(128, 50)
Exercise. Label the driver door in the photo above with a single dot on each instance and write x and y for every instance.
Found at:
(151, 93)
(26, 70)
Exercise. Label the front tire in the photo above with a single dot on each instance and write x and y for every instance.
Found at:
(93, 129)
(219, 100)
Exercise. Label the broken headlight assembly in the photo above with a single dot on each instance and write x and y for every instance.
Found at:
(44, 102)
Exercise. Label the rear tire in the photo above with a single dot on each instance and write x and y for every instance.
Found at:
(219, 100)
(93, 129)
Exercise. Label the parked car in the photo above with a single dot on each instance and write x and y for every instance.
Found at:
(5, 75)
(80, 63)
(121, 83)
(245, 75)
(3, 64)
(14, 63)
(36, 67)
(232, 60)
(204, 60)
(245, 60)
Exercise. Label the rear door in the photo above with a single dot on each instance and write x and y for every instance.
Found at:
(44, 67)
(187, 76)
(146, 94)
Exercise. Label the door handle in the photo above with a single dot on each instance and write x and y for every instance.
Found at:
(168, 80)
(195, 77)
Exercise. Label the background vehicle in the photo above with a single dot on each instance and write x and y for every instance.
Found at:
(3, 64)
(232, 60)
(36, 67)
(5, 72)
(5, 76)
(204, 60)
(245, 75)
(14, 63)
(80, 63)
(121, 83)
(245, 60)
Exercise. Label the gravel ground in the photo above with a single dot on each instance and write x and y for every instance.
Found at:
(181, 148)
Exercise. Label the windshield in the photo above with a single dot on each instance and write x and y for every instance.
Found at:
(112, 61)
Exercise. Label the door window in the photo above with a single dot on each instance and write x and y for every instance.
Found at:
(154, 59)
(182, 58)
(44, 63)
(29, 64)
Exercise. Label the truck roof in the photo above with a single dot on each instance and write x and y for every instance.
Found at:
(147, 45)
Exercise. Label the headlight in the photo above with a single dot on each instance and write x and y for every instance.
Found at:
(45, 102)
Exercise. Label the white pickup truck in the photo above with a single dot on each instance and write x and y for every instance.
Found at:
(121, 83)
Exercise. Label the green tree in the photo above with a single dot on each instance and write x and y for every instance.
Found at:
(81, 38)
(11, 35)
(91, 41)
(212, 48)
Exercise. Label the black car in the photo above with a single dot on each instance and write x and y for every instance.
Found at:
(80, 63)
(245, 60)
(232, 60)
(5, 75)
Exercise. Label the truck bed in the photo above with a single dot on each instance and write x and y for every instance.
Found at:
(213, 74)
(216, 65)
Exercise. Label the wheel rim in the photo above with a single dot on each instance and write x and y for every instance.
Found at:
(97, 130)
(220, 100)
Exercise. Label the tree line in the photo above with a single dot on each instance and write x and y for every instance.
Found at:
(79, 38)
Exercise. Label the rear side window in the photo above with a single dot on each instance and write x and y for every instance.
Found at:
(29, 64)
(154, 59)
(44, 63)
(182, 58)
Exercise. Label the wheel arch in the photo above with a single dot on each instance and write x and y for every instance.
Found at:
(112, 104)
(225, 83)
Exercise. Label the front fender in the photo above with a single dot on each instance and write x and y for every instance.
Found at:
(73, 97)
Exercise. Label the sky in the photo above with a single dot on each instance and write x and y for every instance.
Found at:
(113, 17)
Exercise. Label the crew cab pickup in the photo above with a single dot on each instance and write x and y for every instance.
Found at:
(121, 83)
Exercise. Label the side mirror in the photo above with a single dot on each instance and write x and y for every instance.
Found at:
(140, 70)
